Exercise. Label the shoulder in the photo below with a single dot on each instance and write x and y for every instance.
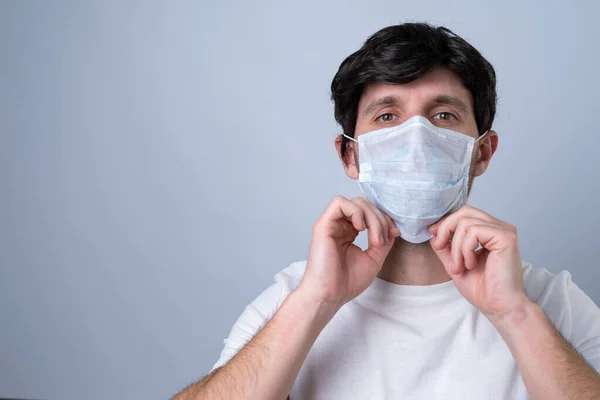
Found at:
(544, 287)
(569, 309)
(289, 278)
(264, 306)
(260, 311)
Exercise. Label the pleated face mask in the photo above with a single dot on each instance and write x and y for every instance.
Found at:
(416, 173)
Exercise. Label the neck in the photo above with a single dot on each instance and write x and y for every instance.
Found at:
(413, 264)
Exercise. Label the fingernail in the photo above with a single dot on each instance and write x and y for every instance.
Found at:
(452, 267)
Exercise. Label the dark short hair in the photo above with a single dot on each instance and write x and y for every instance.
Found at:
(403, 53)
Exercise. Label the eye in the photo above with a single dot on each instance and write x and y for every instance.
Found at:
(387, 117)
(445, 116)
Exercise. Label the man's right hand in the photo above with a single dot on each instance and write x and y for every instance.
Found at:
(337, 270)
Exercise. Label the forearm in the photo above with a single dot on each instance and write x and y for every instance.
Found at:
(267, 366)
(551, 368)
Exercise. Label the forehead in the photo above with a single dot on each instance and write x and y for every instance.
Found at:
(439, 81)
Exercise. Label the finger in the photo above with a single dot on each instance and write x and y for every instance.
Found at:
(465, 211)
(441, 233)
(458, 235)
(385, 221)
(434, 229)
(342, 208)
(389, 226)
(495, 238)
(394, 231)
(392, 228)
(445, 229)
(444, 253)
(470, 243)
(379, 254)
(377, 236)
(366, 204)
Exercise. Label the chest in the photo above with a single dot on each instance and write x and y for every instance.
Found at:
(368, 355)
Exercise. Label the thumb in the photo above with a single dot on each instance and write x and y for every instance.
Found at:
(378, 254)
(444, 253)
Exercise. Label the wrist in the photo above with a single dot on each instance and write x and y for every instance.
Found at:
(323, 307)
(515, 317)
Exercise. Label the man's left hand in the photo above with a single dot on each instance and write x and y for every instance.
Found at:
(489, 277)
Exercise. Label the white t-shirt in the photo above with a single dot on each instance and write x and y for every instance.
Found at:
(419, 342)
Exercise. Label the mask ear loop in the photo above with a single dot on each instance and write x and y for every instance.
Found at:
(481, 137)
(351, 138)
(356, 141)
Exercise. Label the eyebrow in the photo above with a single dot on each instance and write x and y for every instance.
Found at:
(383, 101)
(441, 99)
(451, 101)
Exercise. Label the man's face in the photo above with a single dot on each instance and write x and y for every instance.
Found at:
(439, 96)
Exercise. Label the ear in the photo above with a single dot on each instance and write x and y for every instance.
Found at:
(487, 147)
(348, 161)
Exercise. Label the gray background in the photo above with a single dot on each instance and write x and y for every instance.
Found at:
(161, 161)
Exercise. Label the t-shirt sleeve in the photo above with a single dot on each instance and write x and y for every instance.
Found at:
(260, 311)
(568, 308)
(585, 325)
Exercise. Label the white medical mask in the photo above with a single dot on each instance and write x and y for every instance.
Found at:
(416, 173)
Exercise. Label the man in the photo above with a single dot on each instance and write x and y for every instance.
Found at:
(440, 304)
